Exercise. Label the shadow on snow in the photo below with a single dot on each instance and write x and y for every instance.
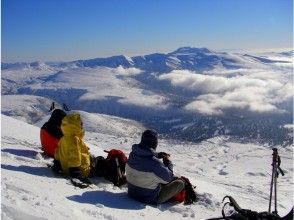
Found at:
(22, 153)
(108, 199)
(38, 171)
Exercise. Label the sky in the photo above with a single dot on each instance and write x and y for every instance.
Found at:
(64, 30)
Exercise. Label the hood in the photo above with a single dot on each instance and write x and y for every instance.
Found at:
(56, 117)
(52, 126)
(71, 125)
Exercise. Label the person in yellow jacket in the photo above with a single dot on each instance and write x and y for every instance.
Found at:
(72, 155)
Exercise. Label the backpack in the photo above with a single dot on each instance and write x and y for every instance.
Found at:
(188, 194)
(112, 167)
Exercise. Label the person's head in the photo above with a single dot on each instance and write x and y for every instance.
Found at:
(149, 139)
(57, 116)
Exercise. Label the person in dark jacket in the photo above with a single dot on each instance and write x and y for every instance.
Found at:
(51, 133)
(149, 179)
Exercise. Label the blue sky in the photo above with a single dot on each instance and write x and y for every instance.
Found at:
(52, 30)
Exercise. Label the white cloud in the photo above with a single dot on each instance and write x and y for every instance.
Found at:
(289, 126)
(255, 90)
(209, 83)
(102, 83)
(126, 71)
(215, 104)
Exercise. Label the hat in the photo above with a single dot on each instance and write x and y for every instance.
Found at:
(149, 139)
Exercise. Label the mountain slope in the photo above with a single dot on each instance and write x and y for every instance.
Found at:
(217, 167)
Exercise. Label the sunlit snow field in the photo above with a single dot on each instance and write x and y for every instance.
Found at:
(218, 167)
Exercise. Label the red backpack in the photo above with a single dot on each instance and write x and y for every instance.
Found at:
(114, 153)
(115, 164)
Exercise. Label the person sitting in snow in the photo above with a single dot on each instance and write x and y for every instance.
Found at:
(51, 133)
(72, 155)
(149, 179)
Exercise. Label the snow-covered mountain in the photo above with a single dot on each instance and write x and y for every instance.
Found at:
(196, 59)
(190, 93)
(218, 167)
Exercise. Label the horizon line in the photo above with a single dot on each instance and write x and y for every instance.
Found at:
(227, 50)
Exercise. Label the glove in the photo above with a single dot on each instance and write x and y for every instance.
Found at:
(163, 155)
(166, 162)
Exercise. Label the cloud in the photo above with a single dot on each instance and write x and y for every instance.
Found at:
(209, 83)
(101, 84)
(126, 71)
(215, 104)
(257, 90)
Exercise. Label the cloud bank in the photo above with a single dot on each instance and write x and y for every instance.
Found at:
(259, 90)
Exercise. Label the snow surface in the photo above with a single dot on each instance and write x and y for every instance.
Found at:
(218, 167)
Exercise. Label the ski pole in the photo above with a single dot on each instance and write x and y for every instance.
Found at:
(119, 176)
(274, 171)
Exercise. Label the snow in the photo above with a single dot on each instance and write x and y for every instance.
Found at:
(102, 83)
(218, 167)
(183, 126)
(25, 107)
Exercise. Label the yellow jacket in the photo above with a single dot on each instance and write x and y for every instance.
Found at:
(71, 150)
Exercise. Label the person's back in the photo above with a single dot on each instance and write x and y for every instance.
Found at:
(146, 174)
(72, 153)
(51, 133)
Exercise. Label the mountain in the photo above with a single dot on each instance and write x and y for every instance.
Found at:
(182, 58)
(218, 167)
(189, 94)
(34, 65)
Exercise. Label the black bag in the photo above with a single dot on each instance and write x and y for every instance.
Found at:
(190, 194)
(247, 214)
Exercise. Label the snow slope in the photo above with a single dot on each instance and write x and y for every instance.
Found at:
(218, 167)
(25, 107)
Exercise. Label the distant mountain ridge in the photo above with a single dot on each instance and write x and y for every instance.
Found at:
(189, 58)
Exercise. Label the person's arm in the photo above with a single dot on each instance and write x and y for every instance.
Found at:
(168, 164)
(166, 161)
(163, 171)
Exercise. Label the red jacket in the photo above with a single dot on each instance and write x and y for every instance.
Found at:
(48, 142)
